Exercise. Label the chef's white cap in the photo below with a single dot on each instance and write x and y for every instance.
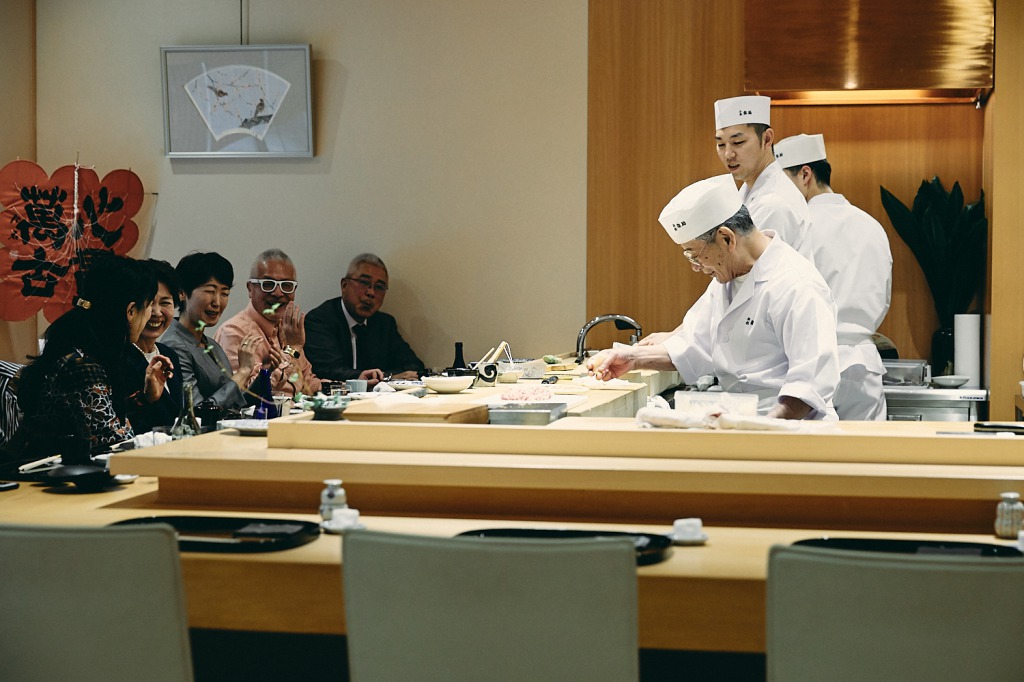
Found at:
(745, 109)
(700, 207)
(800, 149)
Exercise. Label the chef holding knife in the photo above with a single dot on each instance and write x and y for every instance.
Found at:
(766, 323)
(851, 251)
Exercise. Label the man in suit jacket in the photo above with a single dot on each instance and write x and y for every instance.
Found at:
(349, 338)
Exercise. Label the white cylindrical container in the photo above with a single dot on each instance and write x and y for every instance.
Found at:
(967, 348)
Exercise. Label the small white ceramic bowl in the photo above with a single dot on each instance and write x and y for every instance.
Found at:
(448, 384)
(950, 380)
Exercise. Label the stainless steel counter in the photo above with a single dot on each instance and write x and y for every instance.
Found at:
(923, 403)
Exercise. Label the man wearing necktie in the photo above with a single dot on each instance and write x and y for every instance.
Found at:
(349, 338)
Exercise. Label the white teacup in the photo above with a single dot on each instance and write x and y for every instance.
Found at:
(688, 529)
(356, 385)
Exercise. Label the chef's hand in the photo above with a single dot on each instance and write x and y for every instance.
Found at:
(789, 407)
(610, 364)
(159, 370)
(654, 339)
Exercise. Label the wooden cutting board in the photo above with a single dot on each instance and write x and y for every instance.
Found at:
(435, 411)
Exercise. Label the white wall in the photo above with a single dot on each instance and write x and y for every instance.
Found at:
(450, 139)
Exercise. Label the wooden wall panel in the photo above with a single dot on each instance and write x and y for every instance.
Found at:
(656, 68)
(1003, 173)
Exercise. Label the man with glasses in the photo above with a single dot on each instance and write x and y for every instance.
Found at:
(275, 321)
(349, 338)
(766, 323)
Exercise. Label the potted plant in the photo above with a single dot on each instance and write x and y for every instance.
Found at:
(949, 240)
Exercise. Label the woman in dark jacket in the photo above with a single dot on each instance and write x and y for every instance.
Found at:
(164, 410)
(75, 394)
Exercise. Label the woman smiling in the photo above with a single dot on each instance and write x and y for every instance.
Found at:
(206, 280)
(159, 409)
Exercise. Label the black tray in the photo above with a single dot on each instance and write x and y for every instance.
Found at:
(982, 549)
(650, 547)
(233, 534)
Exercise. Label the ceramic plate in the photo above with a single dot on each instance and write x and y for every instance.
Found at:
(245, 427)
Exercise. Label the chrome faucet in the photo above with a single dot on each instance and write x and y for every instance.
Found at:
(621, 322)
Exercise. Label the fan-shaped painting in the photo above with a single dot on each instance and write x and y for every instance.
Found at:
(237, 101)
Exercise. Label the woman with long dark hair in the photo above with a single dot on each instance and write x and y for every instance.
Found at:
(75, 394)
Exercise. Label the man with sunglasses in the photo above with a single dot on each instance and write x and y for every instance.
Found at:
(766, 323)
(349, 338)
(271, 326)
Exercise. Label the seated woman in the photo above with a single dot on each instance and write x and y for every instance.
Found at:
(75, 394)
(165, 409)
(206, 280)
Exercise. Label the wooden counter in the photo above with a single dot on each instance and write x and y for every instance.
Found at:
(708, 598)
(883, 476)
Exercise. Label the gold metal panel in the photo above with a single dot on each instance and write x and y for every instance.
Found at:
(942, 48)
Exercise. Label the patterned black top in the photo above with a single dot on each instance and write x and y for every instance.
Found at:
(75, 401)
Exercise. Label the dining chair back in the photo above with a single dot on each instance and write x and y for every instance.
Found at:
(470, 609)
(852, 616)
(92, 604)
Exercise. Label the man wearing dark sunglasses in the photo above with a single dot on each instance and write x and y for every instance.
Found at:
(271, 326)
(349, 338)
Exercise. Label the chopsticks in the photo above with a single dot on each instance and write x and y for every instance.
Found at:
(493, 354)
(36, 464)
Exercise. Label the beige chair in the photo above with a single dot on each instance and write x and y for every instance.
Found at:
(850, 616)
(475, 609)
(84, 604)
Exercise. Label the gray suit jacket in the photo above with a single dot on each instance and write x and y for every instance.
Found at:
(204, 368)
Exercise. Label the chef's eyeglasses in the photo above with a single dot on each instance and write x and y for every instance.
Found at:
(288, 286)
(695, 260)
(364, 283)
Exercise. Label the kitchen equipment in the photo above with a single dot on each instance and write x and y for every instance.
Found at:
(905, 373)
(622, 322)
(923, 403)
(950, 380)
(527, 413)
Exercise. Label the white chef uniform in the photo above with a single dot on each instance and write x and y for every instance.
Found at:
(851, 251)
(774, 203)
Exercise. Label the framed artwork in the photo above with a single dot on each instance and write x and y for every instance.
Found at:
(237, 101)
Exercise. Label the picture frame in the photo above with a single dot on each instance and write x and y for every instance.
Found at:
(237, 101)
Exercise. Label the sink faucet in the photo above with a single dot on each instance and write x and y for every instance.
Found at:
(621, 322)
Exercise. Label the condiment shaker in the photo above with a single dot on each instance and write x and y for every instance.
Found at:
(332, 498)
(1009, 515)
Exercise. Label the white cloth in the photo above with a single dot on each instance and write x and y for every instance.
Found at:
(775, 203)
(776, 338)
(851, 251)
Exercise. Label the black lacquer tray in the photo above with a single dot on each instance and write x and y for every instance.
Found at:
(981, 549)
(651, 548)
(233, 534)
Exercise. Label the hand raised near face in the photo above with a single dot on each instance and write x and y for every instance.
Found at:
(290, 329)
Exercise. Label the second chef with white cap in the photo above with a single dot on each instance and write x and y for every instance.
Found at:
(851, 251)
(766, 323)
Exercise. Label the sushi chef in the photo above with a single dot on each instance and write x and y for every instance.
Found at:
(744, 139)
(766, 323)
(851, 251)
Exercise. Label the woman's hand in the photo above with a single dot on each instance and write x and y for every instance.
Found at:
(159, 370)
(247, 359)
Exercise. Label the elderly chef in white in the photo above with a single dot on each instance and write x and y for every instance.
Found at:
(851, 251)
(766, 323)
(744, 138)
